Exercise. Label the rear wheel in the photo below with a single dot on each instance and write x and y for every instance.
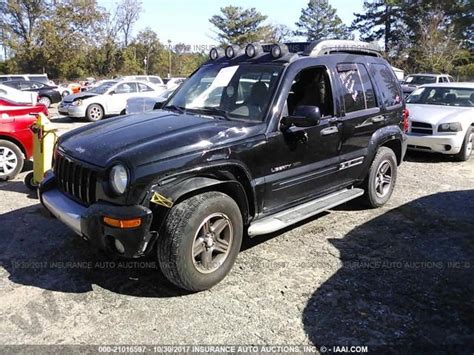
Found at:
(45, 101)
(11, 160)
(201, 240)
(466, 149)
(380, 182)
(94, 113)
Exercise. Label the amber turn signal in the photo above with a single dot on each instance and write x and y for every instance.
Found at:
(123, 223)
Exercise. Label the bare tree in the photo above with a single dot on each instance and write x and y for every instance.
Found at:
(128, 12)
(437, 49)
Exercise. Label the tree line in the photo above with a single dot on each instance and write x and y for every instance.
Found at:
(72, 39)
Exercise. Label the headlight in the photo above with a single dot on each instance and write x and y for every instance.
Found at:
(77, 103)
(119, 179)
(450, 127)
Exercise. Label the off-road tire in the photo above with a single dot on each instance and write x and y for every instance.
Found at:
(466, 149)
(19, 159)
(372, 198)
(177, 239)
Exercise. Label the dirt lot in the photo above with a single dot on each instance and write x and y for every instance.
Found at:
(398, 275)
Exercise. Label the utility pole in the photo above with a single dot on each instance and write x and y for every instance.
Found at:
(169, 52)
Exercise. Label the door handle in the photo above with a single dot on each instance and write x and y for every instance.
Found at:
(329, 130)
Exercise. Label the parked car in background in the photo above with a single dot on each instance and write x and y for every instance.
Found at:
(47, 94)
(442, 118)
(69, 89)
(411, 82)
(172, 83)
(42, 78)
(16, 138)
(16, 95)
(154, 79)
(107, 99)
(147, 104)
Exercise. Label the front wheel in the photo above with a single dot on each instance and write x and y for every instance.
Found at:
(380, 182)
(201, 240)
(94, 113)
(466, 148)
(11, 160)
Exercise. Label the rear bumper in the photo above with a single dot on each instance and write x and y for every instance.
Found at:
(88, 221)
(446, 144)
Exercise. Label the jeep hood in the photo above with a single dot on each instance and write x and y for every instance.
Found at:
(143, 138)
(436, 114)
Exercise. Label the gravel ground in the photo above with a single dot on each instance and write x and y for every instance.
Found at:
(399, 275)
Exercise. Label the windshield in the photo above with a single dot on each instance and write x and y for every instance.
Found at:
(442, 96)
(419, 79)
(101, 89)
(239, 91)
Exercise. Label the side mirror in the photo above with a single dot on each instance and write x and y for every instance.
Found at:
(159, 105)
(112, 92)
(304, 116)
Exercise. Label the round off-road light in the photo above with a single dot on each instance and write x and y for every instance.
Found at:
(232, 51)
(119, 246)
(253, 49)
(279, 50)
(215, 53)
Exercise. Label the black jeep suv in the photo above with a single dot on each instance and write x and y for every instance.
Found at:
(254, 141)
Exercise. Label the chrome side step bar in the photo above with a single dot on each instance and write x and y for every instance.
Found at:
(299, 213)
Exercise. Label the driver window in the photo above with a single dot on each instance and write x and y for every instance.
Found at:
(311, 87)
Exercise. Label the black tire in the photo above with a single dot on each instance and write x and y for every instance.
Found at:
(466, 149)
(45, 100)
(11, 154)
(94, 113)
(378, 189)
(29, 181)
(183, 236)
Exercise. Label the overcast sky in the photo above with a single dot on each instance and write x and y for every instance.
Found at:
(187, 21)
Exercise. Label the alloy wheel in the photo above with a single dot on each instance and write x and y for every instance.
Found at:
(212, 243)
(8, 161)
(383, 179)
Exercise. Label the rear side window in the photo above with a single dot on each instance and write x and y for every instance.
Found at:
(388, 85)
(369, 91)
(353, 91)
(144, 88)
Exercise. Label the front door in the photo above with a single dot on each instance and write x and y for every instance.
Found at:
(117, 100)
(303, 162)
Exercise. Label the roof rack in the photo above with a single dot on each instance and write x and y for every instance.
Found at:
(323, 47)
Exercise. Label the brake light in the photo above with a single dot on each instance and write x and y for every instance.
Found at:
(405, 116)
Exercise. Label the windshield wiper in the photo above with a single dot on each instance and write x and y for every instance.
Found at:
(175, 108)
(215, 111)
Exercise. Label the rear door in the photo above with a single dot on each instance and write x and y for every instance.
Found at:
(361, 117)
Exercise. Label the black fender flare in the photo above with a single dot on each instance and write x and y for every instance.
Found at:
(391, 136)
(163, 197)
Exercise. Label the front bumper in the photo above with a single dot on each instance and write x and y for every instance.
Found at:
(88, 221)
(72, 111)
(446, 144)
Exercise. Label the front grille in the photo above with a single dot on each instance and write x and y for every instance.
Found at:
(421, 128)
(75, 179)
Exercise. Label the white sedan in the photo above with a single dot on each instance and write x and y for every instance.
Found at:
(12, 94)
(107, 99)
(441, 119)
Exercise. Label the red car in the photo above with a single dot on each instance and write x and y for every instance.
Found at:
(16, 138)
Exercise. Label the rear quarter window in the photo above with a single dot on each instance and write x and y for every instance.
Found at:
(387, 84)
